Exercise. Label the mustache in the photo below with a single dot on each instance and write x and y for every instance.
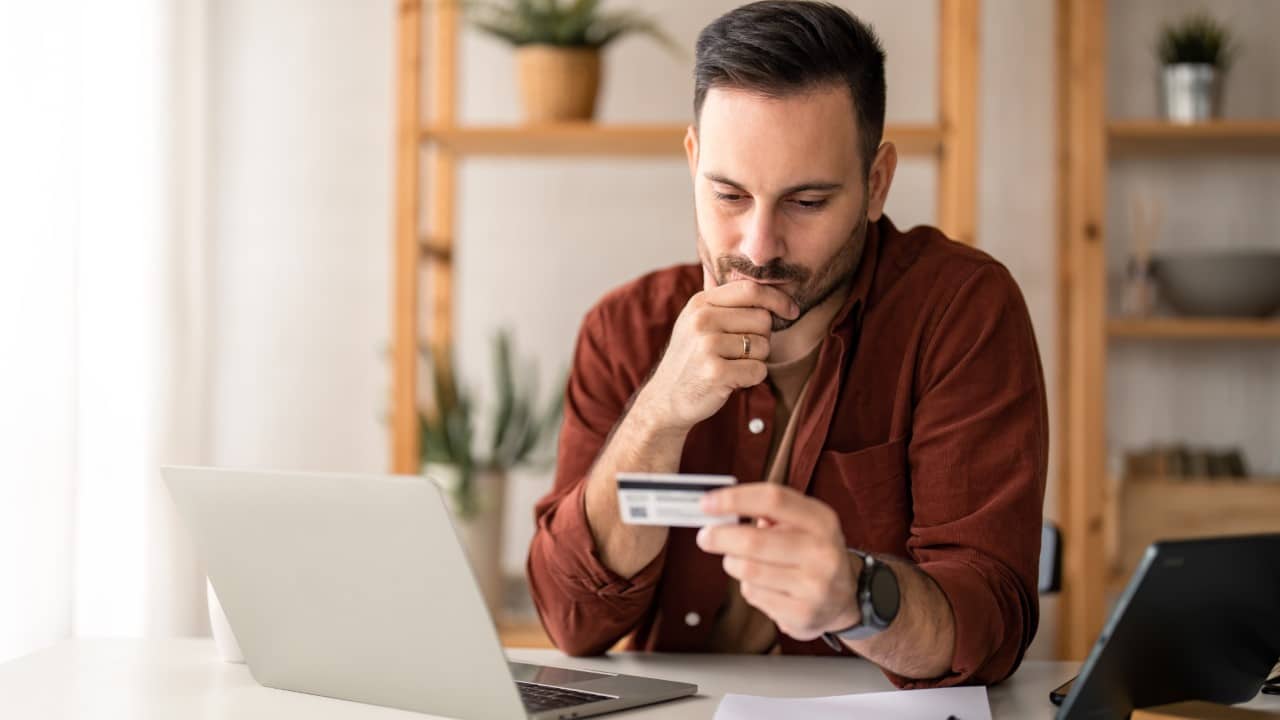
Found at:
(774, 271)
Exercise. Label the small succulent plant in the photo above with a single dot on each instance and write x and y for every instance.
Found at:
(1197, 39)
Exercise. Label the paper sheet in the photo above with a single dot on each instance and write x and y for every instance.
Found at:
(965, 703)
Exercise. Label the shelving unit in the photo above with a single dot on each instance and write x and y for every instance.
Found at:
(1102, 527)
(1194, 329)
(424, 223)
(1132, 137)
(1197, 507)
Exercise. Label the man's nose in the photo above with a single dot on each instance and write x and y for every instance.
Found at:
(761, 239)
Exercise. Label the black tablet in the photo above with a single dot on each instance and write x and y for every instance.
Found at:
(1199, 620)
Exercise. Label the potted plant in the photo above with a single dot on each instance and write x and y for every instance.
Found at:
(558, 45)
(1195, 54)
(474, 479)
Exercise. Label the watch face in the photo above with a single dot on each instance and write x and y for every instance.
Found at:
(884, 594)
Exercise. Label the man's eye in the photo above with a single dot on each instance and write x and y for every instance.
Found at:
(727, 197)
(810, 204)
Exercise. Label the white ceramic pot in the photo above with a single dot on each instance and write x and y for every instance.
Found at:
(480, 533)
(1191, 92)
(228, 648)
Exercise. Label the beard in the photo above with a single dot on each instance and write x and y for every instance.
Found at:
(814, 287)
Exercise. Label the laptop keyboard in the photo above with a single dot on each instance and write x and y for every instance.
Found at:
(547, 697)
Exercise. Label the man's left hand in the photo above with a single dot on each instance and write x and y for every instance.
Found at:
(792, 564)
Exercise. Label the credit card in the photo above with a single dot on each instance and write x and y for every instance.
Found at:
(670, 499)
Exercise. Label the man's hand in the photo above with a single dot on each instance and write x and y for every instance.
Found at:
(792, 564)
(704, 361)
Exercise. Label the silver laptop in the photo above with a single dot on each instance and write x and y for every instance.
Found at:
(355, 587)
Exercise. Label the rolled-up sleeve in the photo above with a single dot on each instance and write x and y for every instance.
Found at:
(978, 459)
(584, 606)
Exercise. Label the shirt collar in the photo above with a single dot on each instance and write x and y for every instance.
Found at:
(851, 311)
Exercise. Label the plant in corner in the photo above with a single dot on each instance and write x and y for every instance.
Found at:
(475, 480)
(519, 431)
(1195, 54)
(558, 44)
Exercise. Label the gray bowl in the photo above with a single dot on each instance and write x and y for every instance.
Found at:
(1226, 283)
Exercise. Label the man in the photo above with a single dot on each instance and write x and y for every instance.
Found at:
(878, 394)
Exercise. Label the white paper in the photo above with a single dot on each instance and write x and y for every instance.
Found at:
(964, 703)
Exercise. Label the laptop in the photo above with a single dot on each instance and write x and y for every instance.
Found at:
(1199, 620)
(356, 587)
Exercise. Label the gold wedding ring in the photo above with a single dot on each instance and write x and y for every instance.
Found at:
(746, 346)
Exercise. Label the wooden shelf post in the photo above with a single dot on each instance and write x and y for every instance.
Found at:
(1082, 166)
(404, 312)
(958, 106)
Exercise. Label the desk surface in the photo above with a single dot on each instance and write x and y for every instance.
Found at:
(184, 678)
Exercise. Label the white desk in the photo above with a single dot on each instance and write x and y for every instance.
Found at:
(184, 679)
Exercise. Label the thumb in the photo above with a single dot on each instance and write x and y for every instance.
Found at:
(708, 278)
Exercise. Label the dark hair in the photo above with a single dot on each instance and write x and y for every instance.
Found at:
(779, 47)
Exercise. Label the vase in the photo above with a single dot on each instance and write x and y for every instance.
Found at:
(1191, 92)
(481, 531)
(558, 84)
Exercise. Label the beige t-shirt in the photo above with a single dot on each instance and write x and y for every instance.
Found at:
(739, 627)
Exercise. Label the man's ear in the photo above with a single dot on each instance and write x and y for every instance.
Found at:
(691, 149)
(879, 180)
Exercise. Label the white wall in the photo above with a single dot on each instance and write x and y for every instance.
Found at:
(300, 199)
(38, 67)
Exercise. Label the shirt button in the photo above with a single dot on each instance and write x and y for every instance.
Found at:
(692, 619)
(756, 426)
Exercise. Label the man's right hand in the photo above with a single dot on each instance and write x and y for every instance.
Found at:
(702, 366)
(704, 361)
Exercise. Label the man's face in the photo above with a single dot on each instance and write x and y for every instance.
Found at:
(779, 191)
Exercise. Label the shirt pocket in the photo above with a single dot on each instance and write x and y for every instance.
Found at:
(870, 489)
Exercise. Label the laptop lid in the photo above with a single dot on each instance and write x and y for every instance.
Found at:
(1199, 620)
(348, 586)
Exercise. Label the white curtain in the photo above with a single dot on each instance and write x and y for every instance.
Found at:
(102, 309)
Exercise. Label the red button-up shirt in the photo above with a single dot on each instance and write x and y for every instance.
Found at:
(925, 428)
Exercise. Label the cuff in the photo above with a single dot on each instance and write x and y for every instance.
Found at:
(980, 632)
(572, 554)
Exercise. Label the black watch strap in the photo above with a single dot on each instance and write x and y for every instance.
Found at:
(870, 622)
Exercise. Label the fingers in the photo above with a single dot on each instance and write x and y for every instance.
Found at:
(732, 346)
(744, 293)
(756, 321)
(789, 581)
(711, 319)
(768, 545)
(795, 617)
(740, 374)
(779, 503)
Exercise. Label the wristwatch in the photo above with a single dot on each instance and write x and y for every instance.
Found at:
(878, 598)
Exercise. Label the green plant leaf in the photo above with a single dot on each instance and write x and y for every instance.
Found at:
(504, 383)
(1197, 38)
(574, 23)
(612, 26)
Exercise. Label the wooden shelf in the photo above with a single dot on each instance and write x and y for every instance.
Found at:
(1195, 329)
(1159, 136)
(585, 139)
(1164, 509)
